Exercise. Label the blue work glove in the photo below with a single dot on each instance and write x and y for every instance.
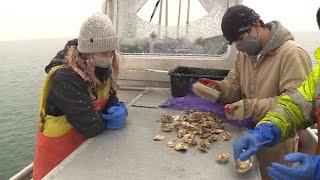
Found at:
(249, 143)
(116, 116)
(307, 169)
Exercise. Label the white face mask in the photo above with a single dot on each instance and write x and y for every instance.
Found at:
(102, 62)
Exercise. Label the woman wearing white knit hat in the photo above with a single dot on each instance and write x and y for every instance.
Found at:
(78, 98)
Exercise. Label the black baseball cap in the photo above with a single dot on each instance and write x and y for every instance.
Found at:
(238, 20)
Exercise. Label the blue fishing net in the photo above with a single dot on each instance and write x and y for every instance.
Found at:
(192, 101)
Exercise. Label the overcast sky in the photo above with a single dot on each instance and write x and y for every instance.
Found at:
(296, 15)
(37, 19)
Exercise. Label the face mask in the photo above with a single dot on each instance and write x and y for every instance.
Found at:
(102, 73)
(102, 62)
(249, 45)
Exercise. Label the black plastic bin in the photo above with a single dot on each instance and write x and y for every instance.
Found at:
(182, 77)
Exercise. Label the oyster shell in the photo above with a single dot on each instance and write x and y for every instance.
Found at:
(205, 136)
(204, 145)
(186, 138)
(185, 124)
(190, 111)
(166, 119)
(242, 166)
(181, 132)
(159, 137)
(192, 142)
(223, 158)
(207, 124)
(189, 138)
(166, 127)
(176, 118)
(204, 124)
(210, 118)
(225, 136)
(181, 147)
(214, 137)
(195, 132)
(218, 131)
(177, 126)
(193, 127)
(172, 143)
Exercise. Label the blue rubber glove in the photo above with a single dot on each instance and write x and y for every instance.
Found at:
(116, 116)
(307, 169)
(249, 143)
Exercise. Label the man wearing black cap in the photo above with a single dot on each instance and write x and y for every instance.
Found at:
(293, 112)
(269, 63)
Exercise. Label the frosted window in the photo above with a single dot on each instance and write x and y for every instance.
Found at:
(202, 36)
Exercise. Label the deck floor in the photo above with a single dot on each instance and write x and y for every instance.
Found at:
(127, 96)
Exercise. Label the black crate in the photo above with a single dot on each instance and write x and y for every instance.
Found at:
(182, 77)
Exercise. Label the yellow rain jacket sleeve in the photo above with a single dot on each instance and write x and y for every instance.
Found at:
(295, 110)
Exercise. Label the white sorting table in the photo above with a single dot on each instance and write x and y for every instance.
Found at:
(131, 153)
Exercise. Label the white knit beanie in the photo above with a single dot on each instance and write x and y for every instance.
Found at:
(97, 35)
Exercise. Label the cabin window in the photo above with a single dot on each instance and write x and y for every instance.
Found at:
(177, 27)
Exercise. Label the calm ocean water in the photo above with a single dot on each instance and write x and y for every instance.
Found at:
(21, 76)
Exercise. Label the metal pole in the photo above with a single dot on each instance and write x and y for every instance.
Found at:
(115, 14)
(111, 10)
(179, 18)
(159, 23)
(187, 23)
(166, 18)
(105, 7)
